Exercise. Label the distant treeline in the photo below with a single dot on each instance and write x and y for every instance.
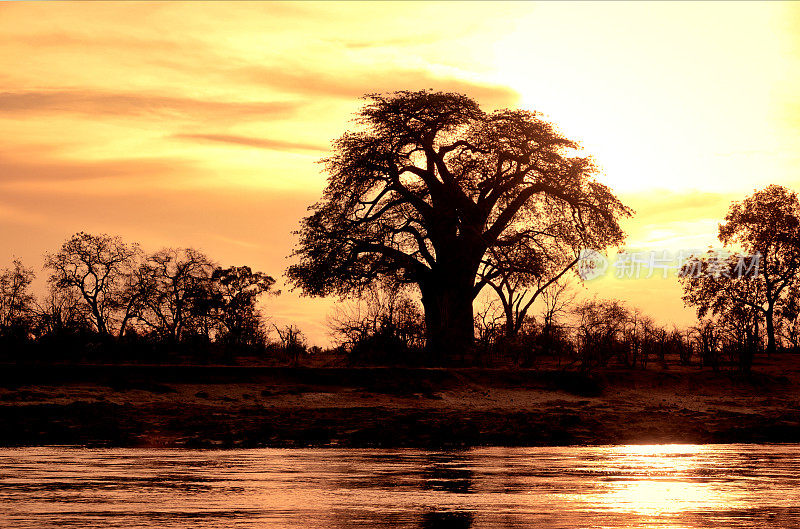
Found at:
(431, 205)
(109, 301)
(747, 300)
(387, 327)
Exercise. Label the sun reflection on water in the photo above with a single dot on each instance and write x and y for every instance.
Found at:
(660, 496)
(661, 479)
(654, 450)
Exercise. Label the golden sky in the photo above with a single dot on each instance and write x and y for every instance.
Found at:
(199, 124)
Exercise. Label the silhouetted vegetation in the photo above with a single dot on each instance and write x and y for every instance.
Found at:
(751, 296)
(107, 301)
(383, 326)
(747, 304)
(430, 203)
(435, 192)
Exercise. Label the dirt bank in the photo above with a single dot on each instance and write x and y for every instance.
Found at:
(249, 407)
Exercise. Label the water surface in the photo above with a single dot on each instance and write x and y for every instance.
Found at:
(675, 486)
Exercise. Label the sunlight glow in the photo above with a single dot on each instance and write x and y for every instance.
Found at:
(658, 449)
(662, 98)
(663, 480)
(652, 497)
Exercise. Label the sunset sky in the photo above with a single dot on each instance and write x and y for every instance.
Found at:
(200, 124)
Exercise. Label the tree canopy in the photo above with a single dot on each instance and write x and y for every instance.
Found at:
(430, 187)
(766, 226)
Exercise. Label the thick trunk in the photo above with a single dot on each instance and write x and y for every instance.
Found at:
(511, 323)
(449, 325)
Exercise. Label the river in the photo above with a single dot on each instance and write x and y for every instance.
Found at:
(675, 486)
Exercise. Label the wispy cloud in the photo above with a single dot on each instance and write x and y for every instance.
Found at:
(355, 83)
(121, 104)
(136, 170)
(260, 143)
(667, 206)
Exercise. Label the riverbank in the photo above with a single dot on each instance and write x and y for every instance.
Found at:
(205, 406)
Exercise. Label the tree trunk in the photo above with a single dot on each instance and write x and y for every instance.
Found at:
(771, 345)
(511, 327)
(449, 324)
(100, 322)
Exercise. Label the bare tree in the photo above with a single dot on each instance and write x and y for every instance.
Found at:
(61, 312)
(171, 283)
(557, 297)
(599, 331)
(490, 322)
(384, 321)
(707, 338)
(16, 301)
(292, 342)
(99, 269)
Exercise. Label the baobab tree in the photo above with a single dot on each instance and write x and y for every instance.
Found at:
(428, 185)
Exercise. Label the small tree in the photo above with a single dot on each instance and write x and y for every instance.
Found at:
(236, 291)
(557, 298)
(732, 291)
(490, 324)
(600, 327)
(383, 324)
(706, 335)
(99, 269)
(789, 312)
(172, 283)
(16, 302)
(292, 342)
(60, 313)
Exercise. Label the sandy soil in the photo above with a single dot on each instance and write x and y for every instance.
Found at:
(244, 407)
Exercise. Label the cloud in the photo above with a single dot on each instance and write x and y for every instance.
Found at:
(132, 170)
(121, 104)
(416, 40)
(260, 143)
(660, 205)
(356, 83)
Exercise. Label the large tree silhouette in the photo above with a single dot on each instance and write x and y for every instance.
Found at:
(767, 223)
(428, 184)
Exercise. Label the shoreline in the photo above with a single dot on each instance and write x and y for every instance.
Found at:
(387, 407)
